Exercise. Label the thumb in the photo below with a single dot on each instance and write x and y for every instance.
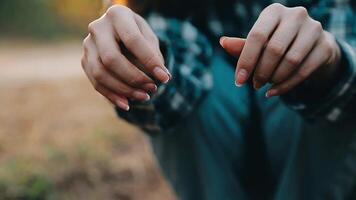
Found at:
(233, 45)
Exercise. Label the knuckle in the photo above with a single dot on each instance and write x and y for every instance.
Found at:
(275, 48)
(329, 46)
(293, 59)
(301, 75)
(317, 26)
(93, 27)
(301, 11)
(276, 6)
(131, 40)
(98, 75)
(108, 59)
(115, 9)
(137, 81)
(259, 36)
(328, 49)
(261, 77)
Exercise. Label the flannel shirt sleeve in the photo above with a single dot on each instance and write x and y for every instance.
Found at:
(187, 55)
(339, 18)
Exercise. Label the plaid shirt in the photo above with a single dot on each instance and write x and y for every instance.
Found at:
(189, 44)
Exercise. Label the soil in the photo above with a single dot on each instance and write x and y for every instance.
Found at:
(46, 103)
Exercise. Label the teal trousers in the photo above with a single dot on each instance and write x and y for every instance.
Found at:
(205, 157)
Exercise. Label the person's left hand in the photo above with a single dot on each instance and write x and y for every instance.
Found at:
(284, 47)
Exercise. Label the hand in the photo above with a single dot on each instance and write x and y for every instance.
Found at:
(122, 72)
(284, 47)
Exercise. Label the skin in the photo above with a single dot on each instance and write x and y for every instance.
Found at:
(122, 57)
(285, 47)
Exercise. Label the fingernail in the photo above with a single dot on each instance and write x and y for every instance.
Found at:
(241, 77)
(150, 87)
(271, 93)
(161, 75)
(222, 39)
(257, 85)
(169, 73)
(122, 105)
(141, 95)
(238, 84)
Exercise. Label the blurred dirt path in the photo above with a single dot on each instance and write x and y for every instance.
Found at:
(24, 61)
(47, 105)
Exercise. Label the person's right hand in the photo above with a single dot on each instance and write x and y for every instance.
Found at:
(122, 72)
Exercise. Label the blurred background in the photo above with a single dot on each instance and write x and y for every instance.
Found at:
(58, 138)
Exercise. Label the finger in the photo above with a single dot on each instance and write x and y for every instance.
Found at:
(314, 60)
(129, 33)
(103, 77)
(232, 45)
(90, 54)
(115, 99)
(152, 39)
(112, 58)
(256, 40)
(149, 35)
(84, 60)
(123, 103)
(276, 47)
(301, 47)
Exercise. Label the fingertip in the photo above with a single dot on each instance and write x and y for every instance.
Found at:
(150, 87)
(267, 95)
(147, 98)
(162, 74)
(141, 95)
(122, 105)
(242, 76)
(233, 45)
(238, 84)
(257, 85)
(271, 93)
(168, 73)
(222, 40)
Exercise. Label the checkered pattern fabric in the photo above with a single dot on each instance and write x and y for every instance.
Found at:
(188, 46)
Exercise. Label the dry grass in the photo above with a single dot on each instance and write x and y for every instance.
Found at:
(59, 139)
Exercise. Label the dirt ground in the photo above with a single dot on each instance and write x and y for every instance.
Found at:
(54, 125)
